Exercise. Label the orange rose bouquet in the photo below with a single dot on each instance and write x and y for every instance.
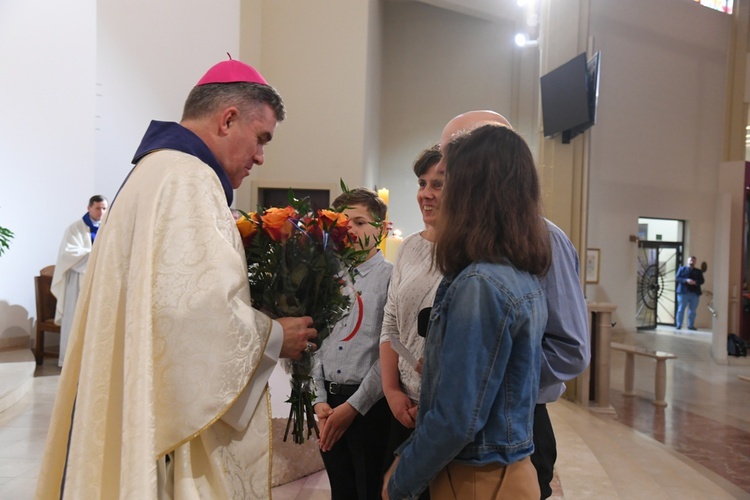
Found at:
(298, 264)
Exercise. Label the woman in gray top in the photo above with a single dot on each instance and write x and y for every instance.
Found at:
(413, 285)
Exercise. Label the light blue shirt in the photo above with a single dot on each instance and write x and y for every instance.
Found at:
(351, 355)
(566, 349)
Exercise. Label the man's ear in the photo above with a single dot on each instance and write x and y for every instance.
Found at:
(227, 119)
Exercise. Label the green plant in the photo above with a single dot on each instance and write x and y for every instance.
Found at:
(5, 236)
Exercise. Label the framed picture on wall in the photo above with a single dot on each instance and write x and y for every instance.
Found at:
(275, 194)
(279, 197)
(592, 265)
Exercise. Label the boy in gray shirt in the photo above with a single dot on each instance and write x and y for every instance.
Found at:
(353, 415)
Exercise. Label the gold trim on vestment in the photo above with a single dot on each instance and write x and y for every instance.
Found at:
(270, 441)
(226, 408)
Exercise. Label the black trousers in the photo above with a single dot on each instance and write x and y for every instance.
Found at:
(545, 449)
(354, 464)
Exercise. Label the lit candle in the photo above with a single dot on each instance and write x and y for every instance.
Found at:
(383, 194)
(391, 245)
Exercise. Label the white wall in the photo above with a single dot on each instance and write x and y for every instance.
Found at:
(436, 64)
(727, 265)
(656, 148)
(722, 320)
(47, 139)
(373, 94)
(80, 83)
(317, 55)
(147, 62)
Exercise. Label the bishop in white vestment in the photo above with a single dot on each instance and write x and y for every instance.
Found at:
(163, 393)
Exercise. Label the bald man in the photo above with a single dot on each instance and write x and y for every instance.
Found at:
(565, 344)
(466, 122)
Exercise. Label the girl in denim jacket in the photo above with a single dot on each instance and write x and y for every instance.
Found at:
(480, 379)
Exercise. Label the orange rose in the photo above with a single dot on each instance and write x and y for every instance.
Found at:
(336, 224)
(328, 219)
(277, 223)
(248, 227)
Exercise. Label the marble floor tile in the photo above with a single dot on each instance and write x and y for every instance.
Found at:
(697, 447)
(21, 488)
(14, 467)
(706, 419)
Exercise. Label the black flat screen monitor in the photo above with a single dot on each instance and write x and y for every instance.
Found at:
(569, 97)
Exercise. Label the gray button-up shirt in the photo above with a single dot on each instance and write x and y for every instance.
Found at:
(351, 355)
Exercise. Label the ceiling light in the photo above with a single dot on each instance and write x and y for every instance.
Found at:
(522, 40)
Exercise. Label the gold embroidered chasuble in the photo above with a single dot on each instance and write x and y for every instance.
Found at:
(164, 341)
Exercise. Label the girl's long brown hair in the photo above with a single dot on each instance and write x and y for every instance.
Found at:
(491, 207)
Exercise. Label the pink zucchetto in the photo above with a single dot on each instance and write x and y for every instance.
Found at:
(232, 71)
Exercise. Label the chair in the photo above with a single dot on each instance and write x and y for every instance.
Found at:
(46, 304)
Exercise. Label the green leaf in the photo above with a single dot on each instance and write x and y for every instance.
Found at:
(5, 236)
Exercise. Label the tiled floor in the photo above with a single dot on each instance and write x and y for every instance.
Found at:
(23, 430)
(697, 447)
(707, 419)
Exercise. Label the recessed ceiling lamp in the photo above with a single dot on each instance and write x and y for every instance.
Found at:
(522, 40)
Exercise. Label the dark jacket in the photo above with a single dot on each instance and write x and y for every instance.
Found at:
(685, 273)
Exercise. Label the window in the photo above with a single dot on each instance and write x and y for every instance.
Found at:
(720, 5)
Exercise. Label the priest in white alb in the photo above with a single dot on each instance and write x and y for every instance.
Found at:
(164, 390)
(72, 259)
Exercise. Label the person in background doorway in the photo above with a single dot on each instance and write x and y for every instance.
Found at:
(72, 259)
(689, 280)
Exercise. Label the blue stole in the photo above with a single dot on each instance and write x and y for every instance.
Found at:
(171, 135)
(92, 228)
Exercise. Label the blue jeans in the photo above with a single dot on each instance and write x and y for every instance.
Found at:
(689, 300)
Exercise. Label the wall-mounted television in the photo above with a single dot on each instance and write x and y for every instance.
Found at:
(570, 96)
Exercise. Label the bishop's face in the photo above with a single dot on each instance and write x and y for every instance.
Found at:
(247, 136)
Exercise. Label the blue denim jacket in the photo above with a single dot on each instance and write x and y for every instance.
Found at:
(480, 378)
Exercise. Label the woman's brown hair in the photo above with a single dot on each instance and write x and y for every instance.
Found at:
(491, 207)
(427, 159)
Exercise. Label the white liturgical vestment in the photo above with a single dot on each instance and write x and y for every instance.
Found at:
(72, 259)
(164, 344)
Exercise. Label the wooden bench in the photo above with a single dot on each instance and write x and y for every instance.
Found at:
(660, 380)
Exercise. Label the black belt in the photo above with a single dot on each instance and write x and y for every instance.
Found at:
(345, 390)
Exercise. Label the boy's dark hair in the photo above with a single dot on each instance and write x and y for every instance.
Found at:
(362, 196)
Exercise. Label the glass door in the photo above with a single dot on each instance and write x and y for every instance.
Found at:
(656, 290)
